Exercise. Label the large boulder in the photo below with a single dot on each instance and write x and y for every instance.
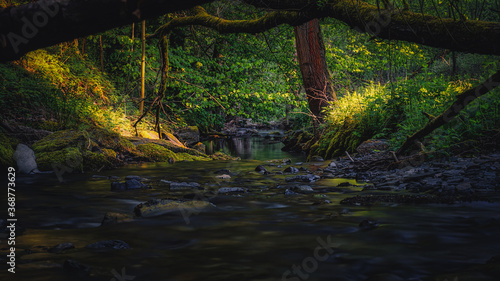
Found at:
(25, 159)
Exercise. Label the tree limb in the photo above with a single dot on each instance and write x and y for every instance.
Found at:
(460, 103)
(47, 22)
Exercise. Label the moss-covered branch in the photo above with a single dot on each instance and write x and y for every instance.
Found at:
(44, 23)
(47, 22)
(201, 17)
(460, 103)
(458, 35)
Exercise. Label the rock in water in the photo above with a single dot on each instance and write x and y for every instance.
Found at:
(223, 177)
(302, 189)
(161, 206)
(261, 169)
(223, 190)
(367, 225)
(303, 178)
(114, 218)
(291, 169)
(134, 184)
(61, 247)
(117, 186)
(76, 268)
(25, 159)
(109, 244)
(317, 159)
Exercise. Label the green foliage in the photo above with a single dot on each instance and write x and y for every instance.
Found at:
(7, 149)
(234, 77)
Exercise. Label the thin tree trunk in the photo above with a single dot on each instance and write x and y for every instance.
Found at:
(102, 55)
(312, 62)
(133, 37)
(143, 65)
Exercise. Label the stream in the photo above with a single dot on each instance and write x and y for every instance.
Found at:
(258, 235)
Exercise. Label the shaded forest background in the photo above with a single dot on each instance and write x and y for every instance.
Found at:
(385, 89)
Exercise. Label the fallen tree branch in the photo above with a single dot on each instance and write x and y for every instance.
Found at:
(460, 103)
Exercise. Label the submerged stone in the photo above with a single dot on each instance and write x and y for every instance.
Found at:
(303, 178)
(61, 247)
(291, 169)
(109, 244)
(184, 185)
(161, 206)
(302, 189)
(232, 190)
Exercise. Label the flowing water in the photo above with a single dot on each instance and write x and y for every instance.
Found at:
(259, 235)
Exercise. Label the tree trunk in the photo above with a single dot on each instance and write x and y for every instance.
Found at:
(143, 65)
(102, 53)
(312, 62)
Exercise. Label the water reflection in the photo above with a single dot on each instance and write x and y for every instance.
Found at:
(252, 148)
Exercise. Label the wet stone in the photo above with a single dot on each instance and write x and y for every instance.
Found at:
(61, 247)
(367, 225)
(317, 159)
(303, 178)
(260, 169)
(222, 171)
(134, 184)
(184, 185)
(118, 186)
(291, 169)
(288, 192)
(77, 268)
(133, 177)
(223, 177)
(109, 244)
(114, 218)
(223, 190)
(302, 189)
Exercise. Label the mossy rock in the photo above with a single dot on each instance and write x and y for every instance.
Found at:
(68, 159)
(148, 135)
(112, 140)
(60, 140)
(7, 149)
(155, 152)
(159, 153)
(124, 146)
(222, 156)
(98, 160)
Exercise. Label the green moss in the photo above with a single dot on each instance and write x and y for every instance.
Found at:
(100, 160)
(69, 158)
(61, 139)
(7, 149)
(155, 152)
(124, 146)
(159, 153)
